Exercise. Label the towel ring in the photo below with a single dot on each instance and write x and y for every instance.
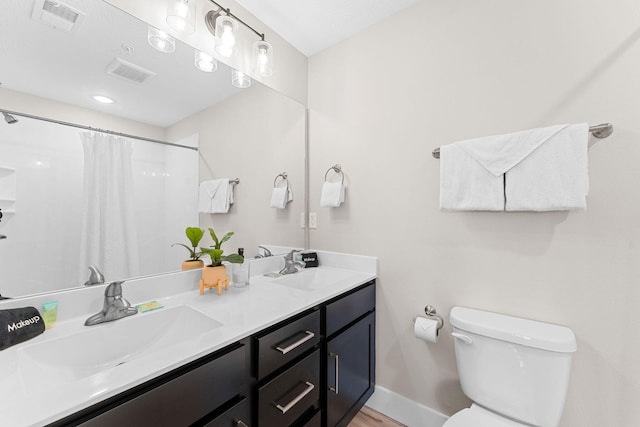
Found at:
(336, 169)
(283, 175)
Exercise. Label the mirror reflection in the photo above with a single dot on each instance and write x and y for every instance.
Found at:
(57, 187)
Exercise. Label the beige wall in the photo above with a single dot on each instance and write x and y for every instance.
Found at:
(253, 136)
(444, 71)
(37, 106)
(290, 65)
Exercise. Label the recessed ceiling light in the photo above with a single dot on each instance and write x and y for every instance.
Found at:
(103, 99)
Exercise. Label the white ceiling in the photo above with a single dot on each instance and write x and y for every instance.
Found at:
(314, 25)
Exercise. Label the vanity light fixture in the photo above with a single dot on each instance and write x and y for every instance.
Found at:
(205, 62)
(224, 26)
(103, 99)
(240, 79)
(160, 40)
(181, 15)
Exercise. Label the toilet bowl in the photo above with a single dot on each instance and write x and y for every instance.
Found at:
(515, 370)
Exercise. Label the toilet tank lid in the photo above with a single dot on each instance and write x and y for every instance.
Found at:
(530, 333)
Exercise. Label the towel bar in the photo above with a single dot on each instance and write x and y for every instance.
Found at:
(337, 169)
(599, 131)
(234, 181)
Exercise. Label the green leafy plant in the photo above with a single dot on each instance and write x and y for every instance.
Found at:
(194, 234)
(215, 252)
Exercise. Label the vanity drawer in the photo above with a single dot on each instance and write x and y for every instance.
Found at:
(236, 416)
(182, 400)
(290, 395)
(286, 342)
(349, 308)
(316, 421)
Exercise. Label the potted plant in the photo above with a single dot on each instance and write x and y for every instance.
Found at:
(215, 274)
(194, 234)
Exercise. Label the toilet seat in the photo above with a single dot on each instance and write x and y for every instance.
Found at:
(477, 416)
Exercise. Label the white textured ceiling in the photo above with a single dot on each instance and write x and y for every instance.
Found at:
(313, 25)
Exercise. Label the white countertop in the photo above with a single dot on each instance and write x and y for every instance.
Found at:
(26, 401)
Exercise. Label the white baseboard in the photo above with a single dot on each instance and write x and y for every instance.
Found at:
(404, 410)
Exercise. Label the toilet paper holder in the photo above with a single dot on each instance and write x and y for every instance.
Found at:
(430, 311)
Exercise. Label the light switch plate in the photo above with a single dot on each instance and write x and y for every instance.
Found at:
(313, 220)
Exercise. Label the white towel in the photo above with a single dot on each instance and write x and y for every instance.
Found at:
(553, 177)
(216, 195)
(543, 169)
(280, 196)
(332, 194)
(466, 185)
(499, 153)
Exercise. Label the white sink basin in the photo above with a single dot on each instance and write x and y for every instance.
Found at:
(107, 345)
(312, 279)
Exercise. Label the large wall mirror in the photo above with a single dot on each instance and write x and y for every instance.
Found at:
(49, 171)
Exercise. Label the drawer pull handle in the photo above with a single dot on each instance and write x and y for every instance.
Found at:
(309, 335)
(239, 423)
(298, 398)
(337, 366)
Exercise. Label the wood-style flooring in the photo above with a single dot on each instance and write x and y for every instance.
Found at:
(367, 417)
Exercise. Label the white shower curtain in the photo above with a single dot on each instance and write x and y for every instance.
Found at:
(109, 238)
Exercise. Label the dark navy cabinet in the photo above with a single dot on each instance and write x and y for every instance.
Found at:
(350, 355)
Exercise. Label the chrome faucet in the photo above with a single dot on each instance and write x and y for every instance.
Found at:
(291, 266)
(115, 306)
(95, 278)
(267, 252)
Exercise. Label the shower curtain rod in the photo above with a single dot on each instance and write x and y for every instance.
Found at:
(599, 131)
(110, 132)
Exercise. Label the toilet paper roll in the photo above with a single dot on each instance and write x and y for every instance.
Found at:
(426, 329)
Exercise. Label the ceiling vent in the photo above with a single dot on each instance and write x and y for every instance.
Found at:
(57, 15)
(128, 71)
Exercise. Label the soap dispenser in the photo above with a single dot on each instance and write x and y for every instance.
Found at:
(241, 272)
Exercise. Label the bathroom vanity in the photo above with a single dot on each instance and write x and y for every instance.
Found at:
(293, 351)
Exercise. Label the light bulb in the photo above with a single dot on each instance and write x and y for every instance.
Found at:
(262, 59)
(240, 79)
(225, 35)
(160, 40)
(181, 15)
(205, 62)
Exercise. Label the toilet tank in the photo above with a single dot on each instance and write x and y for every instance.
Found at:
(515, 367)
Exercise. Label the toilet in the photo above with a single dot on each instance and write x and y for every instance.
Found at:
(515, 370)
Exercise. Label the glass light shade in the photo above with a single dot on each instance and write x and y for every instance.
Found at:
(262, 58)
(205, 62)
(226, 31)
(240, 79)
(181, 15)
(160, 40)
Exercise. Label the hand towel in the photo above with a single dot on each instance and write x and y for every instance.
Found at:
(466, 185)
(553, 177)
(18, 325)
(280, 196)
(332, 194)
(215, 196)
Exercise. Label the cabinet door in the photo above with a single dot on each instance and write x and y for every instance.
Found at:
(350, 371)
(182, 400)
